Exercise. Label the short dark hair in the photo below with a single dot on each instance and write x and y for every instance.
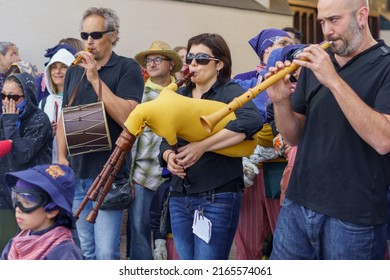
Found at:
(298, 35)
(12, 78)
(219, 49)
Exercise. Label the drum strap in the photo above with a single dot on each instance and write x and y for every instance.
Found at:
(75, 91)
(100, 90)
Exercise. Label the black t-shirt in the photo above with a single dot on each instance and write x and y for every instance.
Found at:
(336, 172)
(213, 170)
(124, 78)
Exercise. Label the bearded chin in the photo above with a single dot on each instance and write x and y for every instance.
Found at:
(348, 46)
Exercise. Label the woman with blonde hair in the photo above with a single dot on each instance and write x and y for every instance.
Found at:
(55, 75)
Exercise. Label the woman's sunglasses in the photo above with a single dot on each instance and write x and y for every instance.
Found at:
(94, 35)
(13, 97)
(200, 58)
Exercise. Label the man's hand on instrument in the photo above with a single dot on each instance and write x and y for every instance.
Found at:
(90, 65)
(318, 60)
(281, 90)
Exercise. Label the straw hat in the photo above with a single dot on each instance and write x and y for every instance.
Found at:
(160, 47)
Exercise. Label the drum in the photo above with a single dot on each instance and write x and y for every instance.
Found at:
(86, 129)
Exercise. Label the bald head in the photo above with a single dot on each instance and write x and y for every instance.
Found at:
(357, 4)
(351, 5)
(345, 22)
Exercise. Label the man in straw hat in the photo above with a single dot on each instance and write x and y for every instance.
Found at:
(160, 62)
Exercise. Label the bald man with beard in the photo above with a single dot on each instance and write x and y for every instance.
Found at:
(339, 116)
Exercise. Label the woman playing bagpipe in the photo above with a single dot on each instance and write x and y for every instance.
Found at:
(206, 187)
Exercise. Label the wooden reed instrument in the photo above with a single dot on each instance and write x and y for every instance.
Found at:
(210, 121)
(104, 180)
(79, 58)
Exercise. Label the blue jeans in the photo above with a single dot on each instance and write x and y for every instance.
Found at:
(222, 209)
(140, 245)
(101, 240)
(304, 234)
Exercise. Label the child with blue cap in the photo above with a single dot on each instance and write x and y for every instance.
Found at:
(42, 197)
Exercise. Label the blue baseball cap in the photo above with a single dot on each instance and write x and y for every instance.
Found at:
(57, 180)
(283, 54)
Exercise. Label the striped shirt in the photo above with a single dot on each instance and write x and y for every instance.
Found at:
(146, 169)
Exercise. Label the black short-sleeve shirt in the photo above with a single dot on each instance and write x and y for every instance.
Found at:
(336, 172)
(124, 78)
(213, 170)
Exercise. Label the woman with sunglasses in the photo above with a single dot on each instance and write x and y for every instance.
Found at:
(30, 130)
(206, 187)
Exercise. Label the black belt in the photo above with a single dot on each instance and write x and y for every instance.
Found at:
(229, 187)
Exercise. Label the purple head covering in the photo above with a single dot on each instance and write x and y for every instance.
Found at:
(21, 184)
(262, 41)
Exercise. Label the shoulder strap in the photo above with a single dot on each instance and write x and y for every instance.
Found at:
(370, 57)
(75, 91)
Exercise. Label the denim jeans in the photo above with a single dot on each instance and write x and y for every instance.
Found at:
(222, 209)
(140, 245)
(304, 234)
(101, 240)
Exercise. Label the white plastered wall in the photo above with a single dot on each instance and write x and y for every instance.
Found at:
(35, 25)
(385, 35)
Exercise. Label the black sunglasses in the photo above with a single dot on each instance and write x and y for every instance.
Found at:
(13, 97)
(200, 58)
(96, 35)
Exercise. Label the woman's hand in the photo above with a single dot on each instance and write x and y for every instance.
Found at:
(10, 108)
(189, 154)
(173, 167)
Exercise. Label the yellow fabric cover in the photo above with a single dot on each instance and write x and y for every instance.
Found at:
(265, 136)
(172, 115)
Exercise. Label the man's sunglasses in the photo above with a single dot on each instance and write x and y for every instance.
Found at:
(13, 97)
(96, 35)
(200, 58)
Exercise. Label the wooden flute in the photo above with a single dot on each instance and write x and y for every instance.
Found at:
(79, 58)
